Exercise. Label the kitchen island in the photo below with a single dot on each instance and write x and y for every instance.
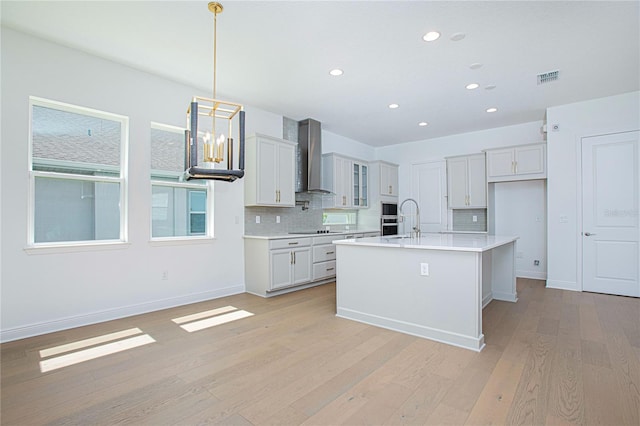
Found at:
(434, 286)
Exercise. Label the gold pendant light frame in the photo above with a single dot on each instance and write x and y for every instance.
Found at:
(214, 109)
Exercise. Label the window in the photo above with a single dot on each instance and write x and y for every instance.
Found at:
(77, 172)
(178, 209)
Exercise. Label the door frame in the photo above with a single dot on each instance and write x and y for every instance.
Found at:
(579, 201)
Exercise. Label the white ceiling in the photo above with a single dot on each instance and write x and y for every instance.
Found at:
(277, 56)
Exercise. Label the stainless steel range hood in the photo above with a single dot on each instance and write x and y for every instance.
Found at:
(309, 157)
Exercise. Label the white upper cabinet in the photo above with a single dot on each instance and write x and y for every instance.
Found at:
(466, 182)
(348, 181)
(360, 184)
(270, 172)
(516, 163)
(388, 179)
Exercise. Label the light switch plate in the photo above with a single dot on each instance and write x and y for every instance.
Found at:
(424, 269)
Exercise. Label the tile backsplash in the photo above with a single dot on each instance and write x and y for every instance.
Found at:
(463, 220)
(306, 215)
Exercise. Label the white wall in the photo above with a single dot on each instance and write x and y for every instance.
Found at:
(332, 142)
(520, 209)
(575, 121)
(57, 289)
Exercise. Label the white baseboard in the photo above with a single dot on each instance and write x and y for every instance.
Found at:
(486, 300)
(534, 275)
(112, 314)
(467, 342)
(505, 297)
(563, 285)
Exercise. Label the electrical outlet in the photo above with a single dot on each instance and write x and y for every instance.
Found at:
(277, 219)
(165, 275)
(536, 262)
(424, 269)
(257, 219)
(474, 218)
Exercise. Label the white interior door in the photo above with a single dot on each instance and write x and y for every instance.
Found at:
(610, 214)
(430, 190)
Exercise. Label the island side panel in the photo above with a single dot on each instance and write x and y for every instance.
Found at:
(503, 273)
(383, 286)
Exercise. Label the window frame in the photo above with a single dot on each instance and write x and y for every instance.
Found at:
(200, 185)
(122, 178)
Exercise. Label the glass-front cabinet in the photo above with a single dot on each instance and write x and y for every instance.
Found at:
(360, 185)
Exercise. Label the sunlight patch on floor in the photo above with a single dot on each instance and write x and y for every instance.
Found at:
(88, 342)
(205, 314)
(213, 318)
(95, 352)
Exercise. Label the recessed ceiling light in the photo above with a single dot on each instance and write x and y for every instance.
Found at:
(336, 72)
(475, 66)
(492, 109)
(423, 123)
(472, 86)
(490, 87)
(431, 36)
(393, 106)
(457, 36)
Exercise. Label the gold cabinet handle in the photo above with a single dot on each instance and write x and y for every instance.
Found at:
(329, 252)
(294, 243)
(515, 170)
(291, 258)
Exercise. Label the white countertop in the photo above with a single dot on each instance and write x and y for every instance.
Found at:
(337, 234)
(435, 241)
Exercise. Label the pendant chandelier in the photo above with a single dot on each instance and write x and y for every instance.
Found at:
(221, 113)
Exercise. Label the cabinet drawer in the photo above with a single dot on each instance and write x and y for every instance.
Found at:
(289, 243)
(324, 270)
(327, 239)
(325, 252)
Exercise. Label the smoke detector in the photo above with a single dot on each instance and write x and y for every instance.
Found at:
(548, 77)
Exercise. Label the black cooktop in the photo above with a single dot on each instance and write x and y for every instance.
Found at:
(315, 231)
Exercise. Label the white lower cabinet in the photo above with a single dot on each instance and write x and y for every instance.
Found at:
(290, 262)
(290, 267)
(274, 266)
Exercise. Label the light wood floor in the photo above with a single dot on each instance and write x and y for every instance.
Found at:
(554, 357)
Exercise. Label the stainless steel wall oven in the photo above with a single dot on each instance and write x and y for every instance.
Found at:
(389, 219)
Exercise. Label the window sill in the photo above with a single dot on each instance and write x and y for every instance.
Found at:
(180, 241)
(76, 247)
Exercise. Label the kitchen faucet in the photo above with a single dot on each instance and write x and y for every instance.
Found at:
(416, 229)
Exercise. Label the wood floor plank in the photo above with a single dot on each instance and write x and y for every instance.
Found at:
(602, 403)
(625, 365)
(494, 402)
(590, 328)
(566, 400)
(530, 401)
(422, 402)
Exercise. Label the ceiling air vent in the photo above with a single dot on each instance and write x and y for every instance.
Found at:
(548, 77)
